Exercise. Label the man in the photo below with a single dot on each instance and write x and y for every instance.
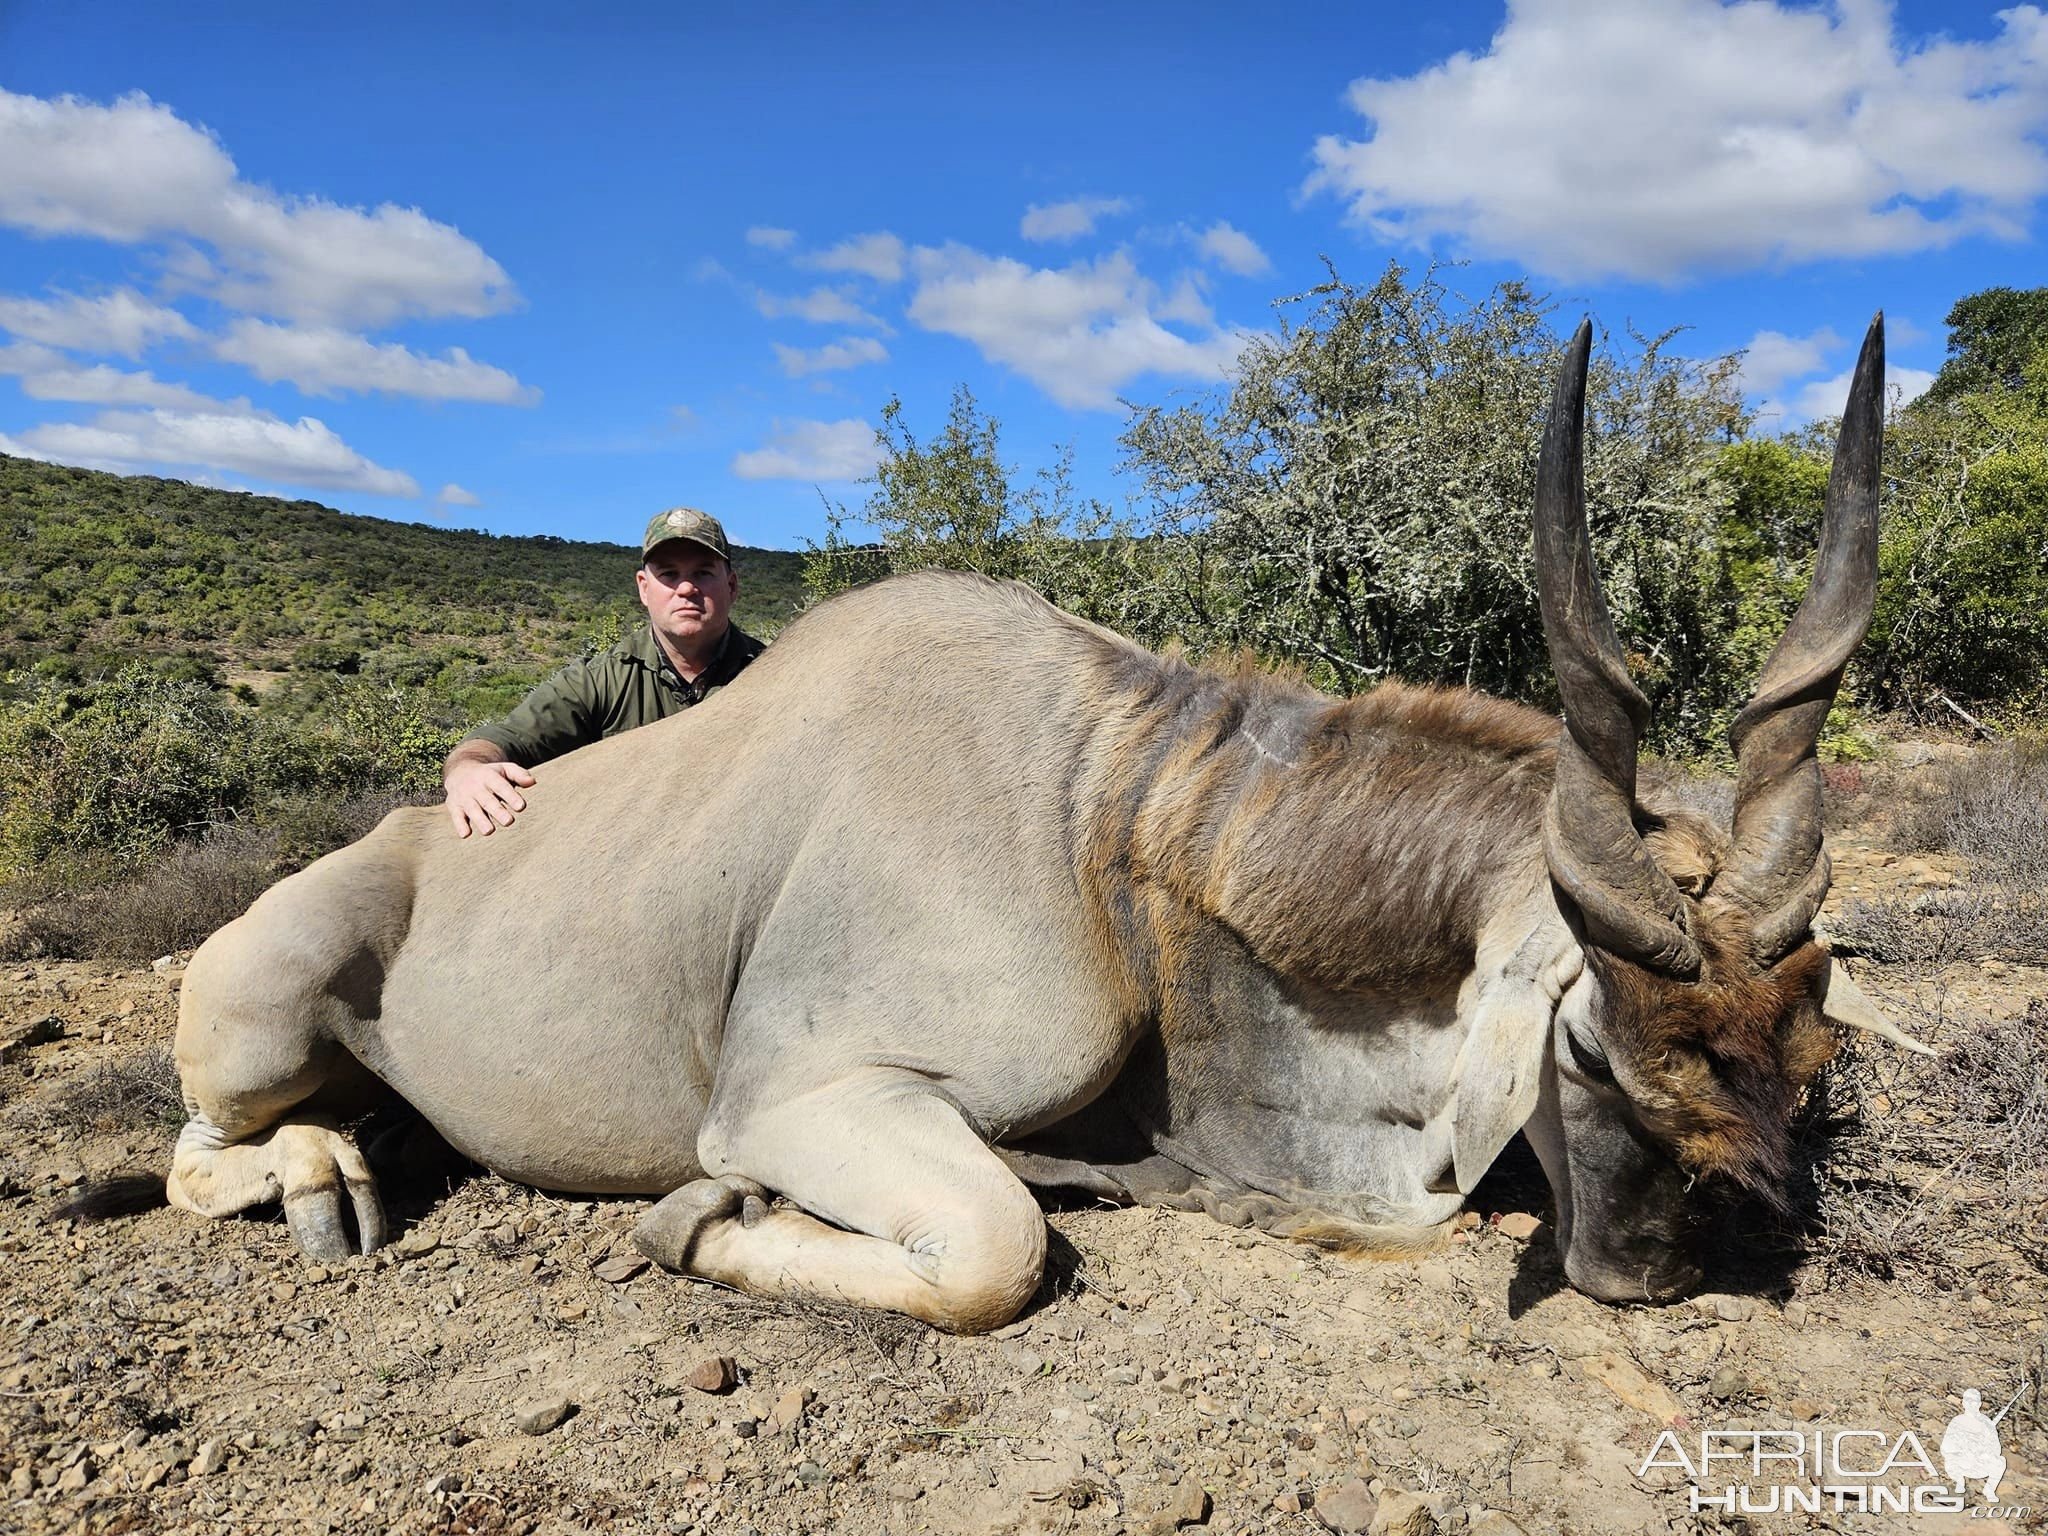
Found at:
(690, 648)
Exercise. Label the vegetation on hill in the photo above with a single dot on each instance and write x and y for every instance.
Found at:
(183, 664)
(204, 690)
(98, 571)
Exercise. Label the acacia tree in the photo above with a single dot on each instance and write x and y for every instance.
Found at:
(1963, 567)
(952, 502)
(1359, 499)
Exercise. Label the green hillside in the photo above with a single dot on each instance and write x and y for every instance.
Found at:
(279, 598)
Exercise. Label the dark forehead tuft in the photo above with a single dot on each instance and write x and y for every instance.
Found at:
(1726, 1056)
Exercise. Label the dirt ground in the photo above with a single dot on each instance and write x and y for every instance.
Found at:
(511, 1365)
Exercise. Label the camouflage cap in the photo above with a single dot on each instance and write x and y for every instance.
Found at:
(686, 523)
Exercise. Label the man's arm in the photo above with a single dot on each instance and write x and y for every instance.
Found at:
(483, 786)
(484, 774)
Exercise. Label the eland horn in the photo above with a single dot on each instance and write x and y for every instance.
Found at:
(1626, 904)
(1776, 867)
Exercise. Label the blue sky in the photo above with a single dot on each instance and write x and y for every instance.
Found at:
(502, 268)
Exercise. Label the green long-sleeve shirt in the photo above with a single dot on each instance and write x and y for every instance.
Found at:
(630, 685)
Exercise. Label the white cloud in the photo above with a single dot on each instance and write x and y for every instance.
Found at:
(135, 172)
(453, 495)
(812, 450)
(1233, 250)
(1079, 332)
(1772, 357)
(323, 361)
(821, 306)
(878, 255)
(769, 238)
(1826, 397)
(305, 452)
(847, 352)
(1062, 222)
(49, 375)
(122, 322)
(1186, 303)
(1663, 137)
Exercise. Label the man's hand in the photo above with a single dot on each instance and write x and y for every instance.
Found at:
(484, 796)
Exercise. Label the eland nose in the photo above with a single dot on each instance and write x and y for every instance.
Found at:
(1653, 1283)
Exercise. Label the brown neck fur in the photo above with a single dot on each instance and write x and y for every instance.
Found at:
(1356, 844)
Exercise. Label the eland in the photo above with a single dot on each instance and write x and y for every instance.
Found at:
(953, 893)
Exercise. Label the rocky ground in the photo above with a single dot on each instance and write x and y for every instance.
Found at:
(512, 1365)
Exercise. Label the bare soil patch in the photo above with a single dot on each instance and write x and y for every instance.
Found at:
(165, 1373)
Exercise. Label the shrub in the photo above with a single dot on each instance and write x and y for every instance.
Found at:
(135, 1092)
(116, 769)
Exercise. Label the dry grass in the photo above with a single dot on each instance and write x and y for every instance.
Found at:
(175, 902)
(1941, 928)
(1991, 811)
(138, 1091)
(1929, 1169)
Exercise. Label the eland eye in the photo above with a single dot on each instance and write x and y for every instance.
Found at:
(1590, 1059)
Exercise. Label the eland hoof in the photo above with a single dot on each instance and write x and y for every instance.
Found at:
(668, 1232)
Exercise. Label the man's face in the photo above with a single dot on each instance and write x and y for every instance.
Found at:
(688, 593)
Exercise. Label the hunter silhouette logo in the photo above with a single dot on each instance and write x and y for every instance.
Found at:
(1808, 1469)
(1970, 1448)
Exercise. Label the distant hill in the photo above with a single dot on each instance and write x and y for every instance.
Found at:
(100, 570)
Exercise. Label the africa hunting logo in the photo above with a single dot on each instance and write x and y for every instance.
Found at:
(1866, 1471)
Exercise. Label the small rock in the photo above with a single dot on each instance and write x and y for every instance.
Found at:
(1734, 1309)
(1187, 1503)
(537, 1418)
(447, 1482)
(1404, 1514)
(1520, 1225)
(211, 1457)
(1493, 1523)
(717, 1373)
(77, 1475)
(1796, 1314)
(904, 1492)
(1010, 1331)
(1980, 1306)
(1728, 1381)
(619, 1268)
(1288, 1503)
(811, 1475)
(1347, 1506)
(165, 965)
(416, 1244)
(1026, 1361)
(745, 1429)
(791, 1405)
(1804, 1409)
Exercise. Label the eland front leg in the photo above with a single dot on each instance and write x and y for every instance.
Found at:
(918, 1215)
(263, 1074)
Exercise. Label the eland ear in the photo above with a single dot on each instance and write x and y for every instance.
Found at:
(1499, 1074)
(1845, 1004)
